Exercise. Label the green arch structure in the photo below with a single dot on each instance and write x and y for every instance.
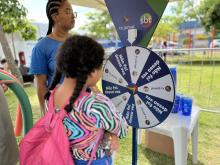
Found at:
(18, 90)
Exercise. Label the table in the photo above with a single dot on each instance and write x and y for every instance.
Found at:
(179, 128)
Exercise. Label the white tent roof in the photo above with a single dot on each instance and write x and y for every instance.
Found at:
(98, 4)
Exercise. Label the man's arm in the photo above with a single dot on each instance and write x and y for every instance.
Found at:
(41, 90)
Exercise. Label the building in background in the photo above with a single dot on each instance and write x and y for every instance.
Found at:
(24, 47)
(193, 35)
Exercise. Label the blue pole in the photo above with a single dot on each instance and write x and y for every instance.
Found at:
(134, 146)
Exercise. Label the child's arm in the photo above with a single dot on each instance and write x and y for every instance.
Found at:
(4, 83)
(108, 117)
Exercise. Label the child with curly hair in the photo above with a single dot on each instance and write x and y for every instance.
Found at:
(80, 60)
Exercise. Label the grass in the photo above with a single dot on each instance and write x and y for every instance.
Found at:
(208, 144)
(195, 58)
(198, 75)
(202, 84)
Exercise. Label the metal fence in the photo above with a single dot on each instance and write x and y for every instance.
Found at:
(198, 74)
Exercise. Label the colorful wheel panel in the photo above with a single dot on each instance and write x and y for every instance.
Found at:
(140, 85)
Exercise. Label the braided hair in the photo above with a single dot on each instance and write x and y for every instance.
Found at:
(52, 8)
(56, 79)
(78, 57)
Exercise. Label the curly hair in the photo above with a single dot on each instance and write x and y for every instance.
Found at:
(52, 8)
(77, 58)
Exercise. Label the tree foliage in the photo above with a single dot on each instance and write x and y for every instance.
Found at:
(99, 25)
(205, 10)
(13, 19)
(215, 16)
(181, 12)
(170, 23)
(164, 27)
(178, 15)
(207, 13)
(28, 32)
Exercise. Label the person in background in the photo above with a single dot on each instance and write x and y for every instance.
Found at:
(164, 53)
(8, 144)
(80, 61)
(5, 65)
(23, 69)
(61, 20)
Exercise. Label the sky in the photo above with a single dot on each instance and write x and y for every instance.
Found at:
(36, 12)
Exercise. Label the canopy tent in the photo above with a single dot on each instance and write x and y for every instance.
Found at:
(98, 4)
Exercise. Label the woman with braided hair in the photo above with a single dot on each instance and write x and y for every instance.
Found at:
(80, 60)
(43, 61)
(61, 19)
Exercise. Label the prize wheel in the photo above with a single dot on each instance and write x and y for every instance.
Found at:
(140, 85)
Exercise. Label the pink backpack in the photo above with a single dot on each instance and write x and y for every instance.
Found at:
(47, 142)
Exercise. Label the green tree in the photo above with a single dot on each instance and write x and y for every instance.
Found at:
(164, 27)
(215, 16)
(13, 19)
(99, 25)
(171, 23)
(183, 11)
(215, 19)
(178, 15)
(205, 10)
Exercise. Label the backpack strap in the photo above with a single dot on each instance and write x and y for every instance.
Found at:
(97, 142)
(51, 107)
